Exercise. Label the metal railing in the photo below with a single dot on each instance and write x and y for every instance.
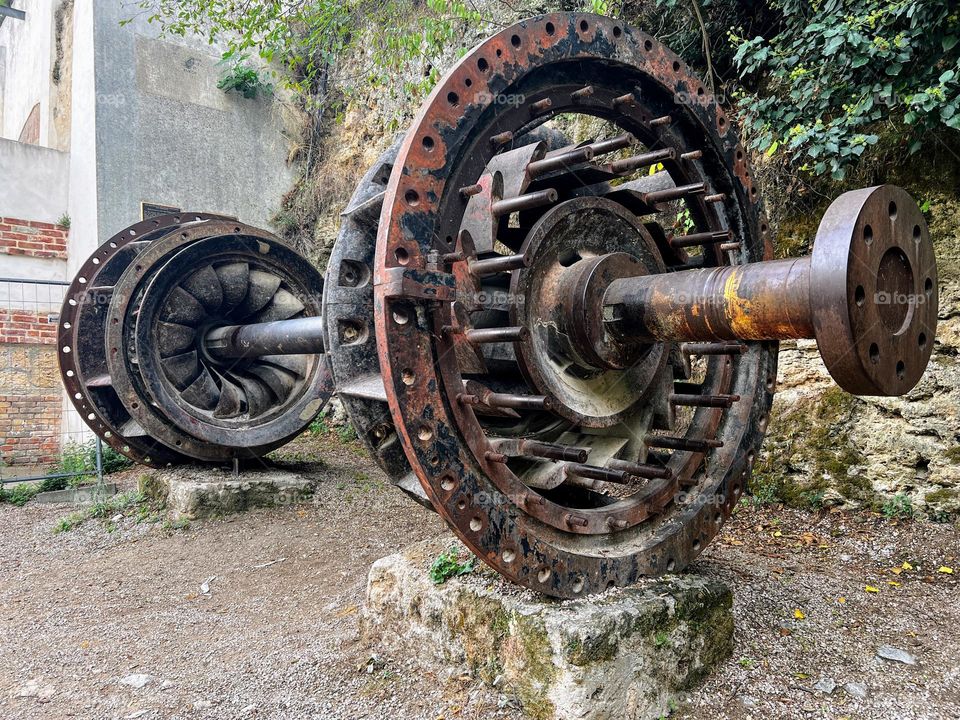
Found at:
(36, 443)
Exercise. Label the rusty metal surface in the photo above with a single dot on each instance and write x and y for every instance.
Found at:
(162, 396)
(522, 335)
(546, 540)
(81, 352)
(874, 291)
(760, 301)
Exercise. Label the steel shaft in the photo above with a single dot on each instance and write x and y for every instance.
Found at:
(282, 337)
(761, 301)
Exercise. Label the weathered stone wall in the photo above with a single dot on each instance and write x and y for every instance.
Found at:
(30, 401)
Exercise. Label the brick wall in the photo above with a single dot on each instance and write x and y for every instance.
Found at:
(32, 238)
(30, 429)
(31, 400)
(25, 326)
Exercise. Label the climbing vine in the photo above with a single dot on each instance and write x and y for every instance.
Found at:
(838, 72)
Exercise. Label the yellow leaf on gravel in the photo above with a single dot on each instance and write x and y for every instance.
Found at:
(896, 571)
(946, 570)
(894, 583)
(841, 600)
(778, 534)
(798, 614)
(906, 565)
(871, 589)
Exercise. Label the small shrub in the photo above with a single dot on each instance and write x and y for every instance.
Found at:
(319, 425)
(448, 565)
(899, 507)
(81, 458)
(19, 495)
(346, 433)
(118, 504)
(244, 79)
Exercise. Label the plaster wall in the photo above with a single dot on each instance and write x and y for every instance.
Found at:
(166, 134)
(26, 48)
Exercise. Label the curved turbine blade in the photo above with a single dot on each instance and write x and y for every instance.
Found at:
(231, 401)
(202, 392)
(181, 308)
(233, 281)
(260, 289)
(181, 369)
(297, 364)
(204, 285)
(284, 305)
(258, 396)
(174, 339)
(281, 382)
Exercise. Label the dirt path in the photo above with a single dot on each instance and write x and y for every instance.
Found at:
(88, 615)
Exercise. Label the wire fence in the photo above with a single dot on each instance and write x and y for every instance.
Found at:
(41, 438)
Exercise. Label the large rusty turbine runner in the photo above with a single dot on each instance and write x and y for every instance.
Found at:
(568, 350)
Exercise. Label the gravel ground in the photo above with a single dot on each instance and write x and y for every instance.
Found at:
(808, 629)
(101, 624)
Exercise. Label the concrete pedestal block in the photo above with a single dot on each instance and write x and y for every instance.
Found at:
(628, 653)
(200, 492)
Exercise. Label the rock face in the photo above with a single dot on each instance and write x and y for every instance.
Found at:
(898, 454)
(210, 492)
(624, 654)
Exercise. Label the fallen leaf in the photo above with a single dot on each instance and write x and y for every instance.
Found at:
(346, 611)
(785, 632)
(906, 565)
(871, 589)
(841, 600)
(798, 614)
(894, 583)
(896, 570)
(778, 534)
(946, 570)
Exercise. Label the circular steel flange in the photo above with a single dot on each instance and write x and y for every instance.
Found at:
(554, 64)
(156, 293)
(874, 291)
(560, 361)
(81, 352)
(206, 275)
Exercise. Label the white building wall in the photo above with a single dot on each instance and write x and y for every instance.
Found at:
(28, 57)
(34, 187)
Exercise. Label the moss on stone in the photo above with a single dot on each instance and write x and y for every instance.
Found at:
(718, 623)
(533, 651)
(953, 454)
(795, 234)
(482, 627)
(809, 451)
(943, 503)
